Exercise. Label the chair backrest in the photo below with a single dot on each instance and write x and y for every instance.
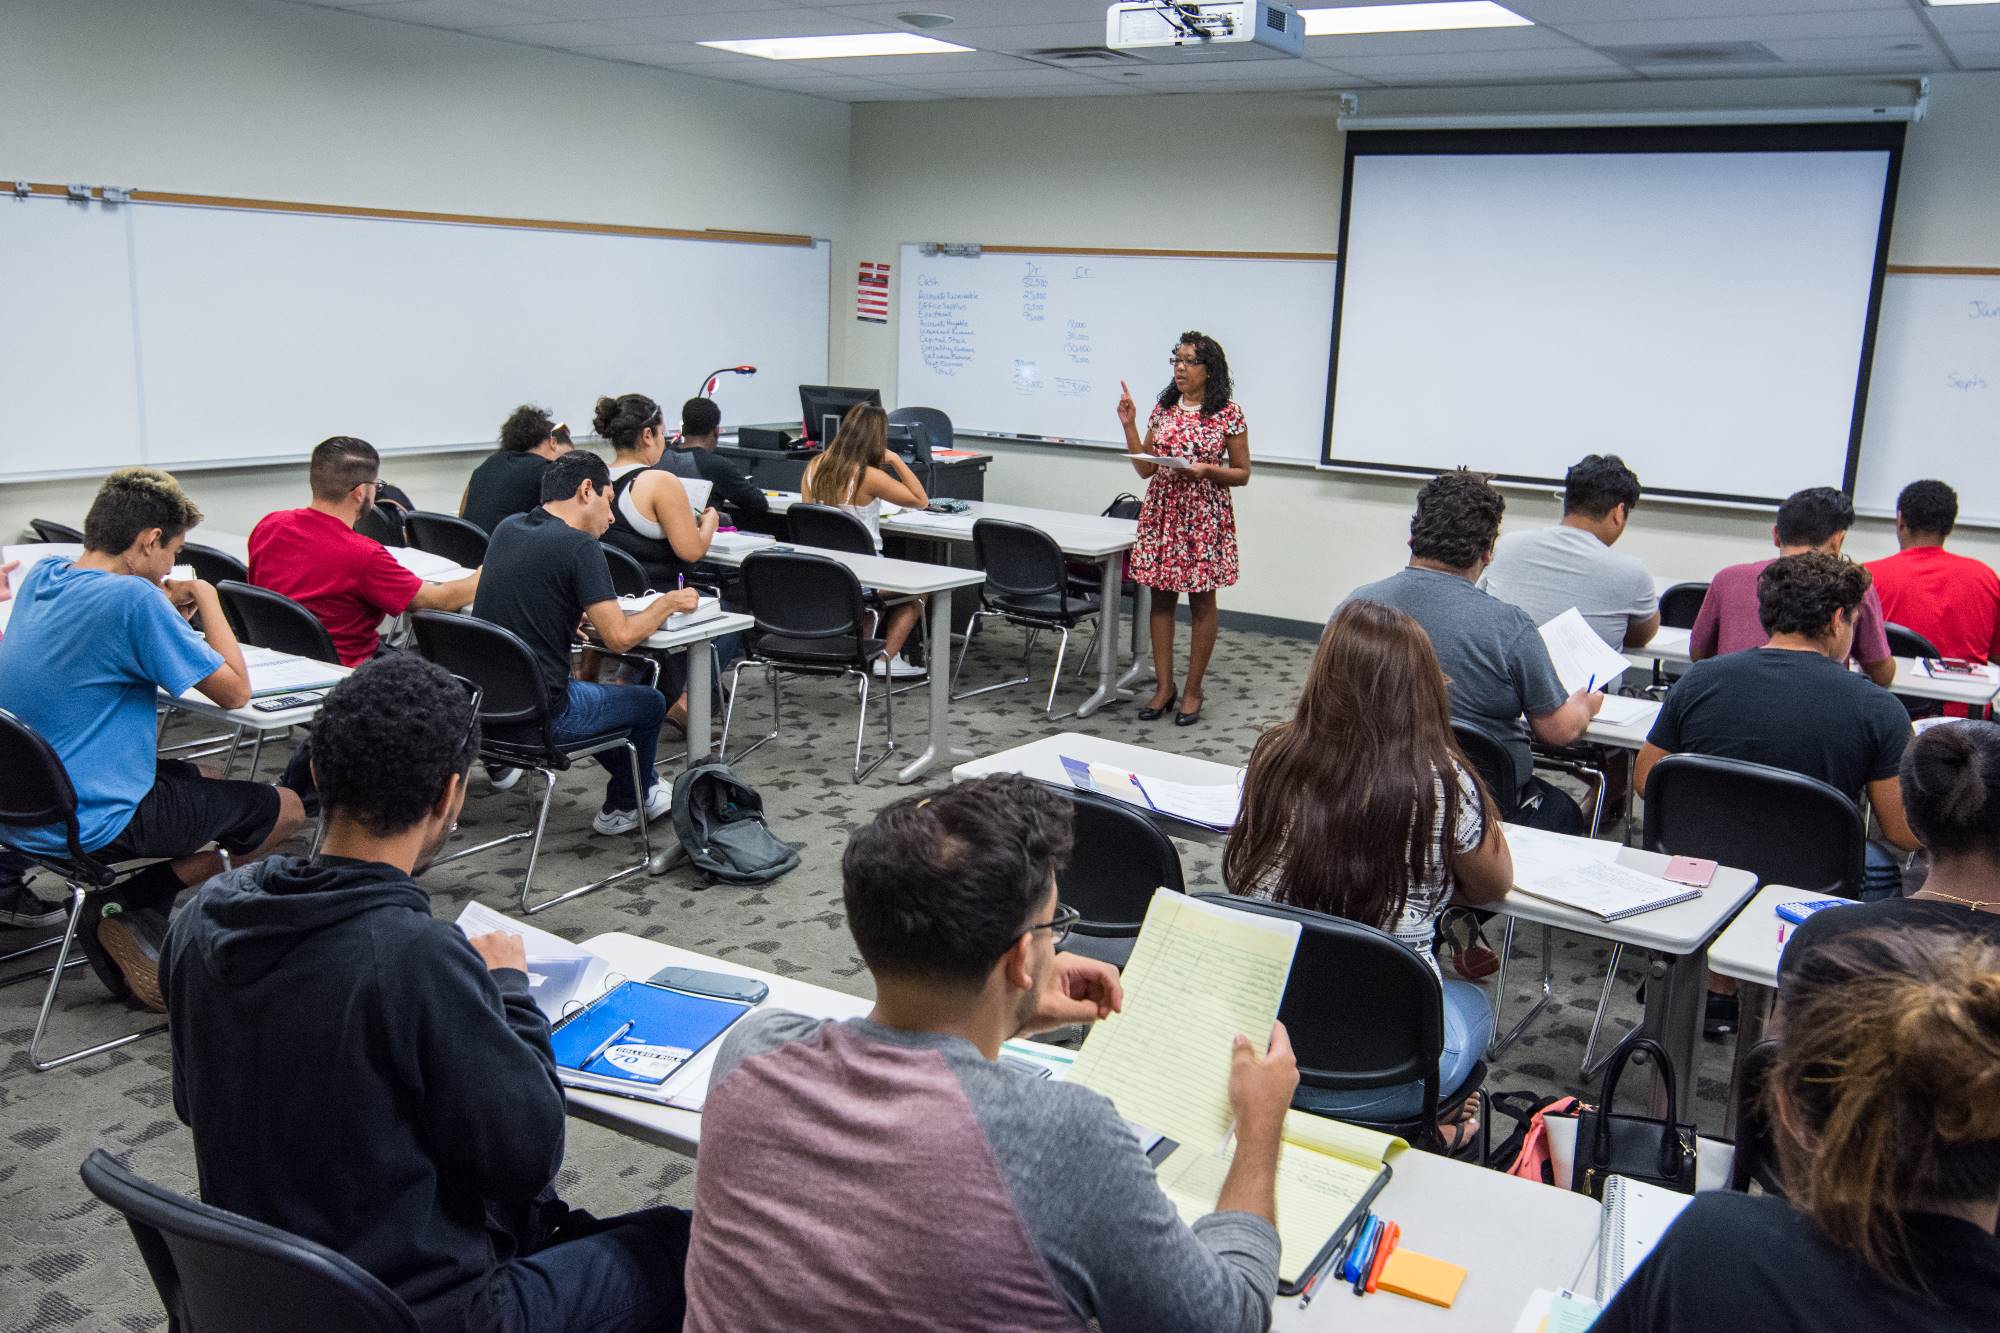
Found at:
(1681, 603)
(799, 595)
(1362, 1009)
(829, 528)
(1019, 561)
(382, 523)
(1493, 764)
(456, 539)
(933, 428)
(272, 620)
(628, 576)
(1117, 858)
(1906, 642)
(1783, 827)
(1756, 1157)
(492, 657)
(217, 1272)
(47, 530)
(35, 791)
(213, 566)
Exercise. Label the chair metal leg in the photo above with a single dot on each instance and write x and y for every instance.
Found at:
(1501, 1043)
(62, 964)
(1592, 1063)
(1026, 675)
(39, 945)
(729, 710)
(1055, 677)
(645, 843)
(861, 724)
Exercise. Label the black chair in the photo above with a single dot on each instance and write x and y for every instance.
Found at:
(458, 540)
(220, 1273)
(272, 620)
(1783, 827)
(1027, 584)
(383, 523)
(1756, 1157)
(1364, 1012)
(213, 566)
(1119, 857)
(829, 528)
(811, 621)
(933, 429)
(628, 576)
(47, 530)
(1906, 642)
(514, 729)
(35, 793)
(1681, 603)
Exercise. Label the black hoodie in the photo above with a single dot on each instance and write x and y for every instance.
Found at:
(353, 1072)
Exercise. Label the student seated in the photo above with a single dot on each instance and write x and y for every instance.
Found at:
(92, 644)
(1951, 795)
(890, 1173)
(1345, 816)
(700, 419)
(1550, 570)
(1815, 519)
(359, 1073)
(544, 574)
(1501, 680)
(651, 518)
(1792, 705)
(315, 557)
(1952, 600)
(1885, 1105)
(856, 473)
(509, 481)
(20, 907)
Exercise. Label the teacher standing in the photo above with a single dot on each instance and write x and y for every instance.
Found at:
(1187, 527)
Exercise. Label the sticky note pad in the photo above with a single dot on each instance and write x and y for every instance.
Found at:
(1423, 1278)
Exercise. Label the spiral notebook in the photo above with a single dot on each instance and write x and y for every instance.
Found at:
(635, 1037)
(1635, 1217)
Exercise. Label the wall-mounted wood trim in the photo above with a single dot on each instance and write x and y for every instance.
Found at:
(1152, 254)
(456, 219)
(1944, 270)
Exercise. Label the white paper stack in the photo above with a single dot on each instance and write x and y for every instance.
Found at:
(559, 973)
(430, 568)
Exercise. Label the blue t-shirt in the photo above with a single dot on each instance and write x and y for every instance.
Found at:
(85, 656)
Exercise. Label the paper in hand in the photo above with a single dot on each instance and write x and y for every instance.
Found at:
(1580, 658)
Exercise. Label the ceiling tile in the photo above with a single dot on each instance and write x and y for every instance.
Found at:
(1965, 18)
(1900, 22)
(1565, 12)
(1245, 74)
(590, 10)
(1517, 65)
(962, 62)
(446, 13)
(1852, 48)
(560, 36)
(1427, 43)
(978, 13)
(1976, 50)
(1022, 75)
(735, 24)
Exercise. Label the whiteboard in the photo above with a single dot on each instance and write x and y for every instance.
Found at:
(1035, 344)
(1934, 402)
(239, 335)
(67, 372)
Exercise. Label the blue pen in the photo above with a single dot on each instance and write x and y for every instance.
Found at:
(1591, 686)
(680, 582)
(1142, 791)
(1355, 1264)
(1370, 1243)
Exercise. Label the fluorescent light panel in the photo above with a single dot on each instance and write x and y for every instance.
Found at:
(834, 48)
(1434, 17)
(1940, 4)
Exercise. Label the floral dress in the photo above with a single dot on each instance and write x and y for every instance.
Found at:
(1187, 528)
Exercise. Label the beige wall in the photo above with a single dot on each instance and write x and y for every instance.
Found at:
(266, 100)
(1094, 172)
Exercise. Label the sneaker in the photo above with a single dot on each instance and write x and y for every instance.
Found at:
(502, 779)
(131, 939)
(1721, 1017)
(20, 908)
(898, 668)
(658, 801)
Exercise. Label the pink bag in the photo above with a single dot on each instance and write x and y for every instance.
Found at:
(1533, 1162)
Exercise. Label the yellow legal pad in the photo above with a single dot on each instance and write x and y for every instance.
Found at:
(1422, 1278)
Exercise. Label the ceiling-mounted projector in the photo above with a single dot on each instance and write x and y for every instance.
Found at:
(1205, 30)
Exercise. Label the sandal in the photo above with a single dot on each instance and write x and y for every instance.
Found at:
(1471, 956)
(1458, 1135)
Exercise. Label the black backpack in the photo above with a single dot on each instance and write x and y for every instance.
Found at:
(720, 823)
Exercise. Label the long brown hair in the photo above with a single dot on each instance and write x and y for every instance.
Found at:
(861, 443)
(1340, 802)
(1886, 1089)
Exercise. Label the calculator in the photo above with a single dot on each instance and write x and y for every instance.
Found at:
(284, 703)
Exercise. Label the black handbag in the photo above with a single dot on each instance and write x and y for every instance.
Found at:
(1654, 1151)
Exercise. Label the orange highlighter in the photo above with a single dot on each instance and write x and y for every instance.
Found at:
(1382, 1252)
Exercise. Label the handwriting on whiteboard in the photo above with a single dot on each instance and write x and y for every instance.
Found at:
(1985, 309)
(1964, 383)
(944, 326)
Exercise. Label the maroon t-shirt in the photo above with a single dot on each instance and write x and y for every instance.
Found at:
(1728, 620)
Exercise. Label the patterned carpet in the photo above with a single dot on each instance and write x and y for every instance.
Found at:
(68, 1263)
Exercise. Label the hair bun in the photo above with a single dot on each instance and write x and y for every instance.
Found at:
(607, 414)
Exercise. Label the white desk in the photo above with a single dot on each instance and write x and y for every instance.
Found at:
(902, 578)
(636, 959)
(1912, 680)
(261, 723)
(693, 639)
(1092, 537)
(1678, 934)
(1042, 760)
(1628, 735)
(232, 544)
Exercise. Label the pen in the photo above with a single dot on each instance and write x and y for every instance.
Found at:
(605, 1045)
(1142, 791)
(1591, 685)
(680, 582)
(1331, 1262)
(1357, 1254)
(1382, 1254)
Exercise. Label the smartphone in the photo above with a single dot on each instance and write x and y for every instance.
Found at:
(284, 703)
(719, 985)
(1953, 666)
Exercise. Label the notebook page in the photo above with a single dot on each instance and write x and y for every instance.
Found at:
(1603, 887)
(1199, 975)
(1579, 656)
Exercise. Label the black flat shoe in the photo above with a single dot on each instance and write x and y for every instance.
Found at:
(1155, 714)
(1187, 719)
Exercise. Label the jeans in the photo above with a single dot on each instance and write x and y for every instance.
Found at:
(1883, 876)
(620, 1275)
(1468, 1027)
(594, 710)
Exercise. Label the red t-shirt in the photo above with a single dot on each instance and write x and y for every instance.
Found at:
(1952, 600)
(349, 581)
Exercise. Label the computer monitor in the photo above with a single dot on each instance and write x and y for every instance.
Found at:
(817, 402)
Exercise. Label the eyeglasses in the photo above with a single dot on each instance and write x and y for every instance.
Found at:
(1178, 361)
(1058, 926)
